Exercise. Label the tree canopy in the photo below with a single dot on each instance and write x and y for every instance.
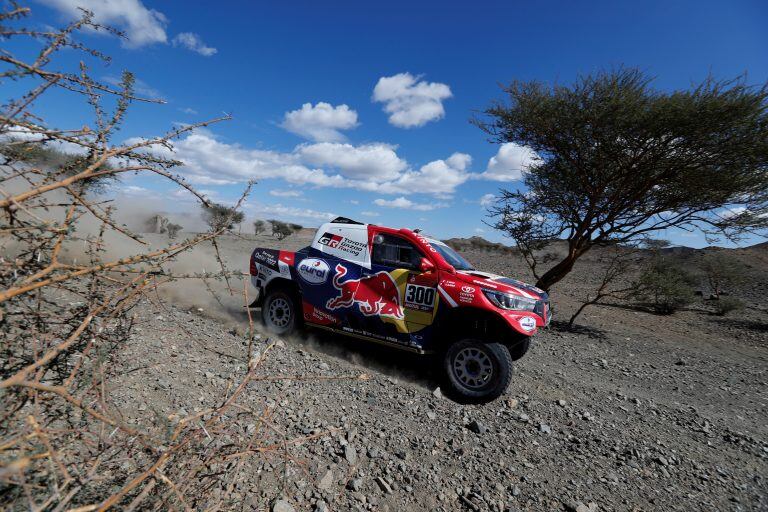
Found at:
(620, 160)
(220, 216)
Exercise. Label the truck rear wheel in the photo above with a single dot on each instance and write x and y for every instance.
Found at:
(477, 371)
(279, 312)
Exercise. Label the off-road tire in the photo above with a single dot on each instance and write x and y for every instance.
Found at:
(475, 371)
(280, 312)
(519, 347)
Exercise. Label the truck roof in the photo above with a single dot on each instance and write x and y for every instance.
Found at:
(349, 239)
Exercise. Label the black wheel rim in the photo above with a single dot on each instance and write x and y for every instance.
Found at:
(279, 313)
(472, 367)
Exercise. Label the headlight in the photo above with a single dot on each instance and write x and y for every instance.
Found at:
(508, 301)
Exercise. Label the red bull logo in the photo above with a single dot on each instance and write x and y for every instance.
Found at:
(375, 295)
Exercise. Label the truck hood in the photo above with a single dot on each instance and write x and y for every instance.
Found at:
(501, 283)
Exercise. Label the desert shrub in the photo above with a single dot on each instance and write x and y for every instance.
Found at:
(722, 270)
(726, 305)
(220, 216)
(280, 229)
(156, 224)
(259, 226)
(615, 262)
(665, 286)
(173, 230)
(655, 244)
(295, 227)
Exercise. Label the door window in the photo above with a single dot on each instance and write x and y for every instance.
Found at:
(396, 252)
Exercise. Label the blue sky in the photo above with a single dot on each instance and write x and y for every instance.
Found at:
(412, 158)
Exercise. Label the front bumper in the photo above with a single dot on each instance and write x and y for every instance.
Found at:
(544, 311)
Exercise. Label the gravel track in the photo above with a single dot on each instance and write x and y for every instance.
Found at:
(636, 412)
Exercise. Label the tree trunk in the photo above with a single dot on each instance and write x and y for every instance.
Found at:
(559, 271)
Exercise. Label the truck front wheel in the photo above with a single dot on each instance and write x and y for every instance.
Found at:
(477, 371)
(279, 312)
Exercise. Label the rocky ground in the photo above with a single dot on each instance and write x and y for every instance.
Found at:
(635, 412)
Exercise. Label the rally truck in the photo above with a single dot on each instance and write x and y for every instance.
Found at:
(399, 288)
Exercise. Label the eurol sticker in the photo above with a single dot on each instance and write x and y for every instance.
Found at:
(313, 270)
(528, 323)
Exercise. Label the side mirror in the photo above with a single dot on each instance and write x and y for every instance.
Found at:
(426, 265)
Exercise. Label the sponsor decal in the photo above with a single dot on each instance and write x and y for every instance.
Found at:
(421, 298)
(446, 296)
(528, 323)
(448, 284)
(374, 335)
(467, 294)
(376, 294)
(426, 243)
(266, 257)
(322, 316)
(313, 270)
(330, 240)
(485, 283)
(343, 244)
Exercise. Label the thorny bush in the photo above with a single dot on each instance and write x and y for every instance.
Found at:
(63, 441)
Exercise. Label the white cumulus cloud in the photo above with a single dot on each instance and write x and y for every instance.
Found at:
(374, 167)
(378, 162)
(439, 177)
(289, 212)
(407, 204)
(192, 41)
(142, 26)
(509, 163)
(409, 101)
(285, 193)
(322, 122)
(487, 199)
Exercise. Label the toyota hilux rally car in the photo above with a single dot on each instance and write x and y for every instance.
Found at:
(402, 289)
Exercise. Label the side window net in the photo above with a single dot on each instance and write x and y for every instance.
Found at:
(393, 251)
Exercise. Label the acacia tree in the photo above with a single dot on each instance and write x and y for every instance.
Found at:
(620, 160)
(259, 226)
(281, 229)
(220, 216)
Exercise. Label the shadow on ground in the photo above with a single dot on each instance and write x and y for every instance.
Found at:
(747, 325)
(563, 326)
(398, 364)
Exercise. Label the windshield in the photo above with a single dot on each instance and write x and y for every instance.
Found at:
(451, 256)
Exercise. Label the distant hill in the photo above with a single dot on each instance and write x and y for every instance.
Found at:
(477, 243)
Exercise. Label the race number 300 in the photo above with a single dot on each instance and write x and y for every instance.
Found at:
(420, 295)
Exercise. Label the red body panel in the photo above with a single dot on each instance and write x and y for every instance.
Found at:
(461, 291)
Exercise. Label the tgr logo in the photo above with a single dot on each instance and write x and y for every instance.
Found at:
(330, 240)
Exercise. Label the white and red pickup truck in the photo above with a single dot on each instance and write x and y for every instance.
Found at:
(396, 287)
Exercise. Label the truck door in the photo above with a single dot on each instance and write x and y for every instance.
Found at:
(417, 291)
